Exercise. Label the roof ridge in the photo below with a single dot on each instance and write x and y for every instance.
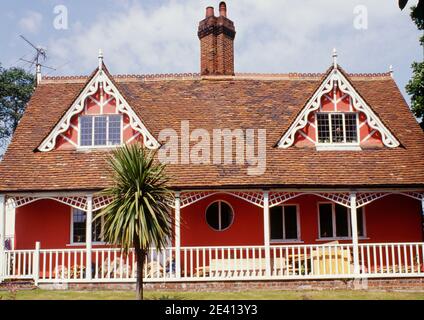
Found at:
(197, 76)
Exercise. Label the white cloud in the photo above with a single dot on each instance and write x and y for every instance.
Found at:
(272, 36)
(31, 22)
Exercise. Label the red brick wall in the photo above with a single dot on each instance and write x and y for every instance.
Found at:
(411, 284)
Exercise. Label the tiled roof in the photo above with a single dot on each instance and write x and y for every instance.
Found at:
(246, 101)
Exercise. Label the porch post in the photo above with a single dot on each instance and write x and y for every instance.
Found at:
(88, 236)
(354, 225)
(266, 234)
(2, 234)
(177, 235)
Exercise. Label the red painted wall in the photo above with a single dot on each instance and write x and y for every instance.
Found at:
(246, 228)
(394, 218)
(47, 221)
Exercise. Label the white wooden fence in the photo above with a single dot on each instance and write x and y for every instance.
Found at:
(327, 261)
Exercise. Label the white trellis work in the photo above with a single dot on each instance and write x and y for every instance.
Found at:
(187, 198)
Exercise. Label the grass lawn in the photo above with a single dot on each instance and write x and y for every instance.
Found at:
(245, 295)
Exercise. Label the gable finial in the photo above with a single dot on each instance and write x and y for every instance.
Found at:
(100, 59)
(335, 58)
(391, 70)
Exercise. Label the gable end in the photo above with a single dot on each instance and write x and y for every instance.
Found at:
(336, 81)
(102, 81)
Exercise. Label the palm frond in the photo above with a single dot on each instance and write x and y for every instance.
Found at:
(140, 208)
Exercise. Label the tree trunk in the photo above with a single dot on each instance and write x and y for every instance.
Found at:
(140, 256)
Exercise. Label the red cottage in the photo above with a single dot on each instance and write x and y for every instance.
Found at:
(276, 176)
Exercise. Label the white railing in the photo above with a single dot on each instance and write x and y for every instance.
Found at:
(326, 261)
(391, 259)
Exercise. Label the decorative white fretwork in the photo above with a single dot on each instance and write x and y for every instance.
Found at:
(276, 198)
(362, 199)
(188, 198)
(99, 202)
(254, 197)
(99, 80)
(336, 79)
(78, 202)
(415, 195)
(21, 201)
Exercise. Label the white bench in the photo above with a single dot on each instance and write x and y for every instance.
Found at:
(237, 267)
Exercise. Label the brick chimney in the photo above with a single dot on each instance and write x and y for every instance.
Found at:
(216, 36)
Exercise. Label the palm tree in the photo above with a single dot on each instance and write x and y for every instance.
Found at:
(139, 215)
(417, 11)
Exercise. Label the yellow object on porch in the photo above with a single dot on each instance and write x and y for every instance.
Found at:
(331, 260)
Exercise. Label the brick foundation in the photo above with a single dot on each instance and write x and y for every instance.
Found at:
(410, 284)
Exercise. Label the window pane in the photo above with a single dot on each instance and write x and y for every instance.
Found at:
(226, 215)
(276, 220)
(325, 220)
(100, 131)
(78, 218)
(97, 229)
(337, 128)
(290, 222)
(212, 215)
(351, 129)
(342, 226)
(323, 128)
(86, 130)
(115, 130)
(360, 217)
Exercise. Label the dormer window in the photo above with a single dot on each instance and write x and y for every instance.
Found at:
(337, 128)
(100, 131)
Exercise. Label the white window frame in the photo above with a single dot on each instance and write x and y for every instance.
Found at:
(219, 215)
(333, 221)
(92, 146)
(337, 145)
(71, 240)
(298, 236)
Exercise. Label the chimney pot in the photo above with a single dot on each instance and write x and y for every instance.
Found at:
(210, 12)
(216, 36)
(223, 9)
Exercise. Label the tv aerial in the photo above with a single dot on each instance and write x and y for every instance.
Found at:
(39, 57)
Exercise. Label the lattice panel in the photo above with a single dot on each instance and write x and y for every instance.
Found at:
(276, 198)
(101, 202)
(362, 199)
(416, 195)
(21, 201)
(78, 202)
(188, 198)
(340, 198)
(256, 198)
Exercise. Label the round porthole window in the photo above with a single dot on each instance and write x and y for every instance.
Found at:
(219, 215)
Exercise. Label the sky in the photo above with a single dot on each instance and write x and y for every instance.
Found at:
(160, 36)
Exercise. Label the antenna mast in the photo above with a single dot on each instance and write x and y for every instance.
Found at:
(40, 56)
